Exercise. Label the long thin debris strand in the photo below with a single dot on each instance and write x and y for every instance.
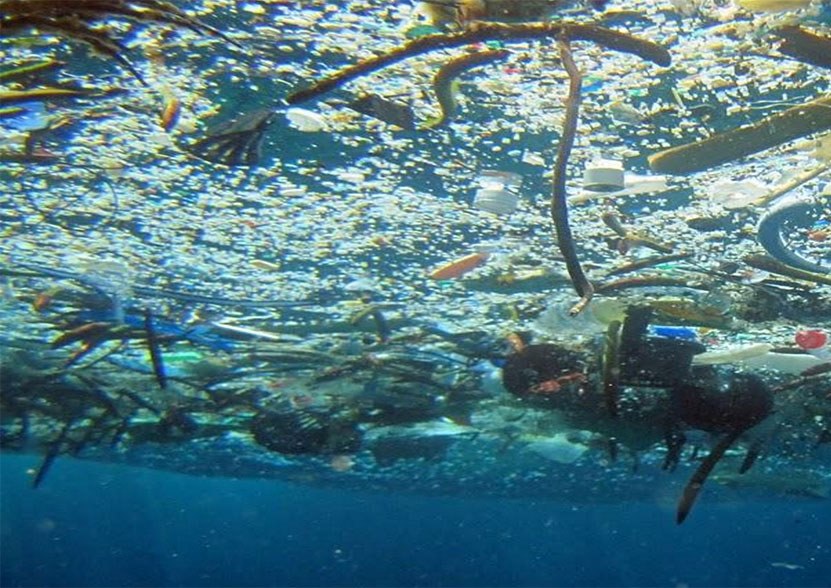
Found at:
(774, 266)
(805, 45)
(155, 350)
(795, 122)
(559, 204)
(647, 262)
(693, 487)
(611, 367)
(444, 81)
(487, 31)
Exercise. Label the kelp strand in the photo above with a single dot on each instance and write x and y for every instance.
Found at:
(804, 45)
(769, 264)
(559, 203)
(701, 474)
(795, 122)
(480, 33)
(445, 78)
(611, 367)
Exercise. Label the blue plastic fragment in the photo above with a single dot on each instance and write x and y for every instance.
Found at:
(33, 118)
(669, 332)
(197, 334)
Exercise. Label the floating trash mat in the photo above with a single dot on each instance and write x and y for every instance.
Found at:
(558, 250)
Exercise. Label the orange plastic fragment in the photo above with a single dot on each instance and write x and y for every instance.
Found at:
(460, 267)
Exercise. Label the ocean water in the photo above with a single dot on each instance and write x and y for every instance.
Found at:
(365, 293)
(102, 525)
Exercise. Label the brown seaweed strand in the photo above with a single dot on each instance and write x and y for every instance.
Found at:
(647, 262)
(649, 281)
(76, 29)
(611, 367)
(701, 474)
(559, 204)
(446, 76)
(481, 32)
(774, 266)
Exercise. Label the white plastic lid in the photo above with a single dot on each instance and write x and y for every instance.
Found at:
(497, 201)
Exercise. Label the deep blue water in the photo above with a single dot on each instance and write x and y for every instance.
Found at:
(102, 525)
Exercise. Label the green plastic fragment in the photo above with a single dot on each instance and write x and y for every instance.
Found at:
(174, 357)
(421, 31)
(494, 44)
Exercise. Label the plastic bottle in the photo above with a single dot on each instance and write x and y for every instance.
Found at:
(814, 342)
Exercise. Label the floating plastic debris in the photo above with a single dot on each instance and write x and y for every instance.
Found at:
(306, 120)
(815, 342)
(733, 194)
(497, 193)
(305, 289)
(732, 355)
(603, 175)
(34, 116)
(773, 5)
(459, 267)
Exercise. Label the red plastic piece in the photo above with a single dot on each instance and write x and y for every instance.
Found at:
(811, 339)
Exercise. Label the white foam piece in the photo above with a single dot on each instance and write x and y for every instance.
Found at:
(306, 120)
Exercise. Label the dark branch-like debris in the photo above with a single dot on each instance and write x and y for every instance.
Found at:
(444, 79)
(487, 31)
(74, 19)
(559, 203)
(805, 45)
(693, 487)
(237, 142)
(795, 122)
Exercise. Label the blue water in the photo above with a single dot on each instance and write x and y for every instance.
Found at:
(105, 525)
(172, 223)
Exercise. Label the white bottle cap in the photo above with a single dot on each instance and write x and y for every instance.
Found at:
(603, 175)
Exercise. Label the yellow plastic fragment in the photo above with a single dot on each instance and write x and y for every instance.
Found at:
(773, 5)
(16, 96)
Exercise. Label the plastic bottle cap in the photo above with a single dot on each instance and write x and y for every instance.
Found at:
(604, 176)
(811, 339)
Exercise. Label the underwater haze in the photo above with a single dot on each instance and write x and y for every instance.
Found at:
(415, 293)
(101, 525)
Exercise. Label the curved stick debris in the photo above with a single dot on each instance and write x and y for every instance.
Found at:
(487, 31)
(80, 20)
(559, 204)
